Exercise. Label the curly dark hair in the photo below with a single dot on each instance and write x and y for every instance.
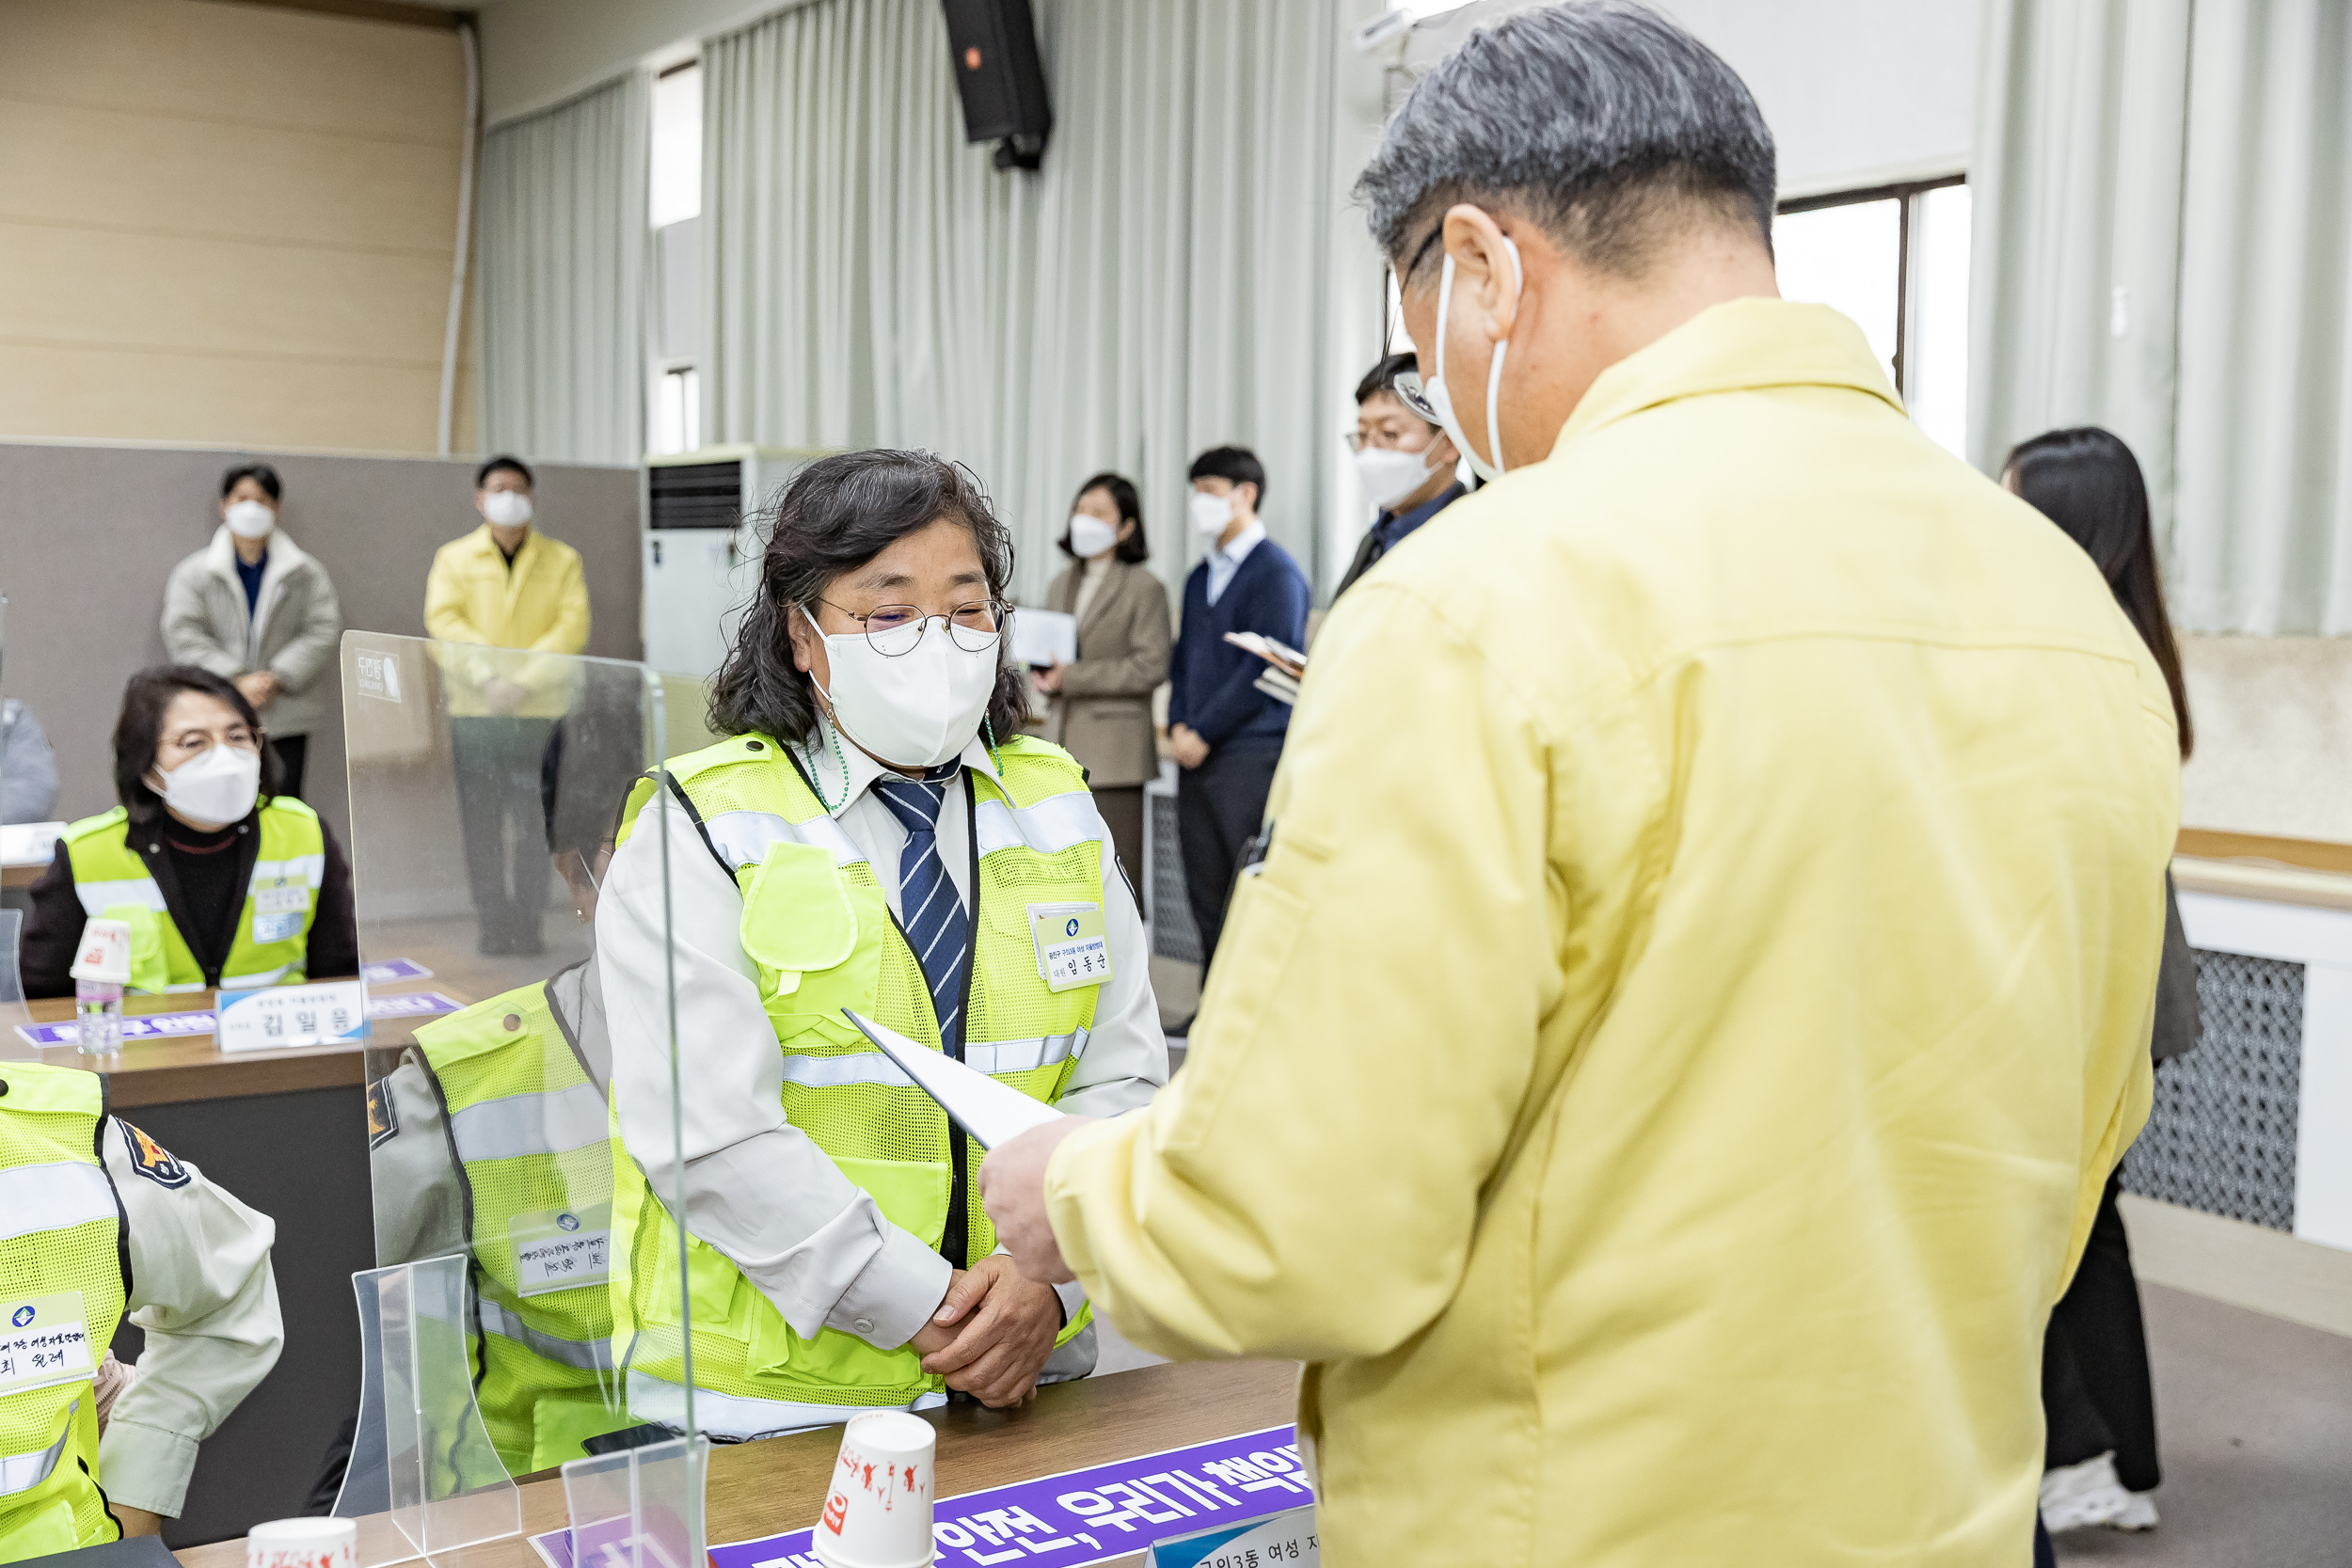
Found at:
(838, 514)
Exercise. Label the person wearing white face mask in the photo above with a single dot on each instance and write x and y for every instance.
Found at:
(1102, 704)
(1405, 463)
(225, 880)
(255, 607)
(1227, 735)
(875, 833)
(505, 586)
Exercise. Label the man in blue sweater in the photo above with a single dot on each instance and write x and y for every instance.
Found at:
(1227, 735)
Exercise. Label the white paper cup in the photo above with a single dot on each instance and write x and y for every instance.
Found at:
(302, 1543)
(877, 1514)
(106, 951)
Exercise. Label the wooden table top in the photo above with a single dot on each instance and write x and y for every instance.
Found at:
(177, 1068)
(758, 1489)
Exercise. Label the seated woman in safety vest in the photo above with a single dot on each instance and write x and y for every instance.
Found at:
(223, 881)
(877, 836)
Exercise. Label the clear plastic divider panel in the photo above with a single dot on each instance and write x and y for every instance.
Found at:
(488, 789)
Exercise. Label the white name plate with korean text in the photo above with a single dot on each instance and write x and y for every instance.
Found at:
(333, 1012)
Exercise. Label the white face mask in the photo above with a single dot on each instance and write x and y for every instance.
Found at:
(214, 787)
(506, 508)
(1211, 515)
(919, 709)
(1388, 475)
(250, 519)
(1442, 401)
(1090, 536)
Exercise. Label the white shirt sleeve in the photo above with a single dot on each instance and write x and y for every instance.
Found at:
(203, 1292)
(756, 1187)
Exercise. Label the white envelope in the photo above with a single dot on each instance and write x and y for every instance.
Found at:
(993, 1112)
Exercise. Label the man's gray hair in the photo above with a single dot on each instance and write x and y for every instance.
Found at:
(1600, 119)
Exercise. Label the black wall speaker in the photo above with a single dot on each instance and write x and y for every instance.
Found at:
(1002, 84)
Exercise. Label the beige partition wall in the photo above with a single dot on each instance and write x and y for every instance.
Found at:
(88, 533)
(226, 223)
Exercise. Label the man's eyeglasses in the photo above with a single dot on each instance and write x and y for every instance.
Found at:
(895, 629)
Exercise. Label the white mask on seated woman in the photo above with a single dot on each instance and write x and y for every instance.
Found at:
(917, 709)
(216, 786)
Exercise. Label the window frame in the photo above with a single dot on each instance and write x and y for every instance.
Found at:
(1907, 194)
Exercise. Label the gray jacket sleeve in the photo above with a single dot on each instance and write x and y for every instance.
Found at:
(419, 1195)
(297, 663)
(28, 768)
(189, 635)
(201, 1290)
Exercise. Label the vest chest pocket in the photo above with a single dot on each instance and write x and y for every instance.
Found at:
(797, 915)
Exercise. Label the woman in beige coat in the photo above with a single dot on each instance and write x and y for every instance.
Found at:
(1101, 709)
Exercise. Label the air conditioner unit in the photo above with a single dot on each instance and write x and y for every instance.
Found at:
(701, 547)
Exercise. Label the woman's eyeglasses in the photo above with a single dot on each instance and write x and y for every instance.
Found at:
(895, 629)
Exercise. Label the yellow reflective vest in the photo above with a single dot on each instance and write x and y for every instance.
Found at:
(819, 928)
(62, 1284)
(526, 1124)
(282, 900)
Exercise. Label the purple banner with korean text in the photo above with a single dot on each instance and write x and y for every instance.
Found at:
(153, 1027)
(1081, 1516)
(389, 970)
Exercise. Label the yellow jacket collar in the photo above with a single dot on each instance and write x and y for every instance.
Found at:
(1738, 346)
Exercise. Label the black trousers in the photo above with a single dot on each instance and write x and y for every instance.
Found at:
(1121, 806)
(2096, 1394)
(1220, 805)
(503, 811)
(293, 752)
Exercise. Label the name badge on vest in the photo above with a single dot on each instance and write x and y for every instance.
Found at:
(1071, 949)
(278, 912)
(561, 1249)
(44, 1340)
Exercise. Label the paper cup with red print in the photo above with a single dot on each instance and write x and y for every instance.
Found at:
(879, 1513)
(302, 1543)
(105, 955)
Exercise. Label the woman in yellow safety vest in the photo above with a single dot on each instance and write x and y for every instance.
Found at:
(223, 881)
(876, 834)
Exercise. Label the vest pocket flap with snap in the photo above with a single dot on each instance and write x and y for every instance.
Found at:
(911, 1194)
(797, 915)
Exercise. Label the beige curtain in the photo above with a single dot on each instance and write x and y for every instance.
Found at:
(563, 264)
(2163, 245)
(1164, 283)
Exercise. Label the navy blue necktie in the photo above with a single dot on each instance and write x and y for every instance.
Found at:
(931, 911)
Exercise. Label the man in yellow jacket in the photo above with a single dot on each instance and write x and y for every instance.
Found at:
(1664, 1067)
(516, 599)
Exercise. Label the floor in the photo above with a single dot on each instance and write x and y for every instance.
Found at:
(2254, 1415)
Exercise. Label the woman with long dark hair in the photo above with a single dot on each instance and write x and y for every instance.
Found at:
(1101, 703)
(224, 879)
(2096, 1394)
(876, 835)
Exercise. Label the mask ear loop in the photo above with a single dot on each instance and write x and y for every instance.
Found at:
(830, 729)
(1494, 373)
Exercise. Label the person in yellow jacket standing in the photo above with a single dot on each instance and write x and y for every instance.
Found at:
(1660, 1084)
(875, 834)
(505, 586)
(98, 1222)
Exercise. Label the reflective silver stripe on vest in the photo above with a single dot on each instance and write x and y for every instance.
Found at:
(1025, 1056)
(523, 1124)
(742, 1417)
(97, 897)
(743, 836)
(254, 980)
(55, 1196)
(1051, 826)
(308, 870)
(872, 1067)
(22, 1472)
(589, 1356)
